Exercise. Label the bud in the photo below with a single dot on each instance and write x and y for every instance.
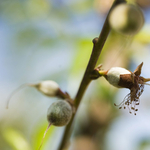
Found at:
(48, 87)
(119, 77)
(123, 78)
(126, 19)
(58, 114)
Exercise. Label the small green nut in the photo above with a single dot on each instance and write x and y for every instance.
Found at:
(126, 19)
(59, 113)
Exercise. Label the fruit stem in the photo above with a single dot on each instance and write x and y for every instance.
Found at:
(44, 136)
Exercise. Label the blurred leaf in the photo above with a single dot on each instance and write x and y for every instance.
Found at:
(84, 49)
(16, 139)
(19, 10)
(27, 36)
(37, 8)
(102, 91)
(13, 9)
(144, 144)
(82, 6)
(47, 42)
(143, 37)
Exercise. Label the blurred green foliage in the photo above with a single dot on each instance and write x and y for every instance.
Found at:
(15, 139)
(52, 39)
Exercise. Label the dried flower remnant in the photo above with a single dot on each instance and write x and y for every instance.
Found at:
(123, 78)
(48, 87)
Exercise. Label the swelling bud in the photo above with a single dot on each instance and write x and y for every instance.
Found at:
(58, 114)
(126, 19)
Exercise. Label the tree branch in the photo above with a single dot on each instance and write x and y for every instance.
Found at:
(98, 44)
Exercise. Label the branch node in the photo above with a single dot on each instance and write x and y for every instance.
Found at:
(94, 74)
(95, 40)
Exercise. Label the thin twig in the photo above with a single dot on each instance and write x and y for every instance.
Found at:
(97, 48)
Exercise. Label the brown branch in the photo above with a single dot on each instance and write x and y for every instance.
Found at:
(98, 44)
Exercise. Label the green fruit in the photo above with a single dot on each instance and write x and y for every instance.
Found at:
(59, 113)
(126, 19)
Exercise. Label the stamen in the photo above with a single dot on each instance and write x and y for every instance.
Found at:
(146, 79)
(146, 83)
(123, 100)
(139, 94)
(115, 104)
(132, 108)
(131, 100)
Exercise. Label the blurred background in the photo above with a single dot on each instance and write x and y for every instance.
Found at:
(52, 40)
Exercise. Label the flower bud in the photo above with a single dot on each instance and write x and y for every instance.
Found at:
(48, 87)
(119, 77)
(126, 19)
(59, 113)
(123, 78)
